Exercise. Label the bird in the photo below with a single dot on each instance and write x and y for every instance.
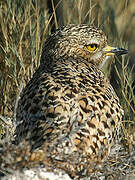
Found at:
(69, 103)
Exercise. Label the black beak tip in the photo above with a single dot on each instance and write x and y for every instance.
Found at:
(121, 51)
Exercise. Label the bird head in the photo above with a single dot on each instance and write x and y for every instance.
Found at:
(80, 41)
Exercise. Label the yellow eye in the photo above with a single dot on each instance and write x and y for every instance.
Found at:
(92, 47)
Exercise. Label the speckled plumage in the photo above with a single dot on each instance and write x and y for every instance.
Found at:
(69, 102)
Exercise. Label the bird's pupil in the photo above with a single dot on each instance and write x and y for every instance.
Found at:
(92, 45)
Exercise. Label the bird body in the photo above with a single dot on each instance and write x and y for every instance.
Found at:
(69, 101)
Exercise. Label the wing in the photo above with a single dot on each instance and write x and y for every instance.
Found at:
(45, 108)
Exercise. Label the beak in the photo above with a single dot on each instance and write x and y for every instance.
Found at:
(114, 51)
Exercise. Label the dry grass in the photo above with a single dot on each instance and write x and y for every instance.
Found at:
(25, 26)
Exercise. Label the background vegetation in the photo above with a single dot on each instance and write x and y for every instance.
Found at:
(24, 26)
